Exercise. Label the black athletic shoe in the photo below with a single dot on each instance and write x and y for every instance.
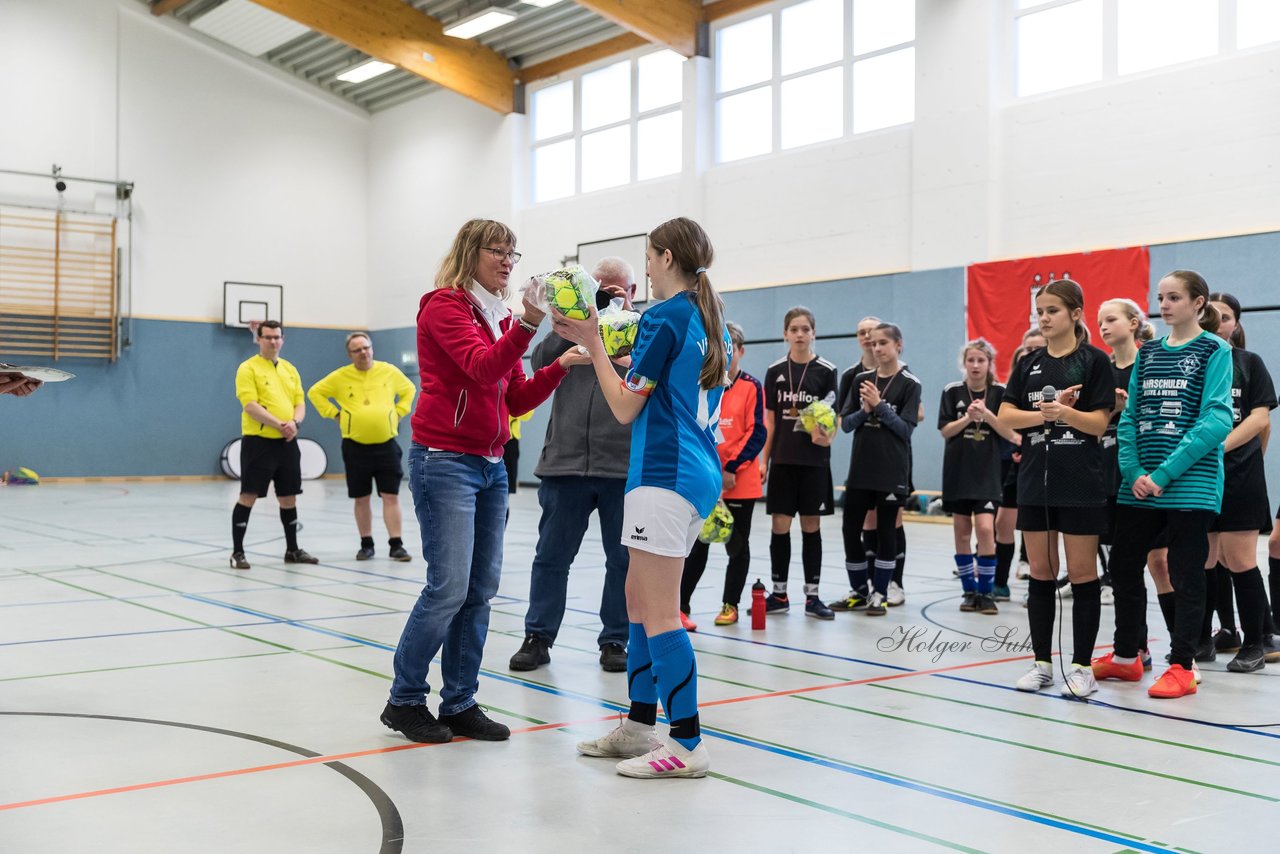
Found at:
(985, 603)
(416, 723)
(365, 553)
(613, 658)
(398, 553)
(473, 723)
(855, 601)
(1225, 640)
(299, 556)
(813, 607)
(238, 561)
(776, 603)
(1248, 659)
(1205, 651)
(969, 602)
(533, 653)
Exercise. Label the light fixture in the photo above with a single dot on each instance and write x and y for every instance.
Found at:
(481, 22)
(541, 4)
(365, 71)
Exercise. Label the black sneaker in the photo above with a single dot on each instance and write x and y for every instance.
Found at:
(613, 658)
(474, 723)
(969, 602)
(416, 723)
(813, 607)
(365, 553)
(875, 606)
(985, 603)
(299, 556)
(777, 603)
(1226, 640)
(398, 553)
(532, 654)
(1248, 659)
(238, 561)
(1205, 651)
(856, 600)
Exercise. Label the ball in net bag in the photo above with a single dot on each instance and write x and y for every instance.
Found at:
(719, 525)
(571, 291)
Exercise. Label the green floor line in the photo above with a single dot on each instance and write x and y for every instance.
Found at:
(1078, 725)
(163, 664)
(996, 740)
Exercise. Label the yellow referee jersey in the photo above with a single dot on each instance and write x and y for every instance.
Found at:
(370, 403)
(276, 387)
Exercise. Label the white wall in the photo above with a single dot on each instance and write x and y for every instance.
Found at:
(240, 175)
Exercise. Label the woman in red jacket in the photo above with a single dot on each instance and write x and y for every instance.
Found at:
(469, 352)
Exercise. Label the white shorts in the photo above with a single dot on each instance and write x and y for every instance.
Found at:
(660, 522)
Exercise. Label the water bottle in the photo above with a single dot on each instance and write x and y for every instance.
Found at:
(757, 606)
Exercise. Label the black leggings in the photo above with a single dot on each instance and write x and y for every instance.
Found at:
(859, 502)
(738, 547)
(1188, 535)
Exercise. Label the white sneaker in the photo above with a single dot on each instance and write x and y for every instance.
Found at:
(1080, 682)
(626, 739)
(1107, 597)
(1024, 571)
(1039, 676)
(668, 760)
(895, 595)
(1195, 671)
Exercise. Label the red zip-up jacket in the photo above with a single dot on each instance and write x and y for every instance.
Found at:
(471, 383)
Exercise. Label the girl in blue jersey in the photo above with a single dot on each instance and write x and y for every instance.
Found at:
(1171, 434)
(671, 396)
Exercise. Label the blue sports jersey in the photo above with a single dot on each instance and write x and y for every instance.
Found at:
(673, 441)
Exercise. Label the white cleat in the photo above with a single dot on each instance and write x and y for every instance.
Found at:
(895, 596)
(668, 760)
(627, 739)
(1039, 676)
(1080, 682)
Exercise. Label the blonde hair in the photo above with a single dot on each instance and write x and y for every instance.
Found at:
(984, 347)
(458, 269)
(691, 250)
(736, 334)
(1133, 311)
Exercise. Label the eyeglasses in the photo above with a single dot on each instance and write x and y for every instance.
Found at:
(512, 256)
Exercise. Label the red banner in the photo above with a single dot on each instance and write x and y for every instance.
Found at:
(1000, 302)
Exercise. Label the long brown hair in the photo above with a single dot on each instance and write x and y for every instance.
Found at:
(1072, 296)
(1237, 336)
(691, 250)
(1198, 288)
(458, 269)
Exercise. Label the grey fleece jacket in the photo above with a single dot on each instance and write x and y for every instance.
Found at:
(583, 437)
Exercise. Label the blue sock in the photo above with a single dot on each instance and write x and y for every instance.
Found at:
(677, 674)
(986, 574)
(641, 688)
(884, 574)
(964, 563)
(857, 575)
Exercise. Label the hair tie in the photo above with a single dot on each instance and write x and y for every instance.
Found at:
(700, 270)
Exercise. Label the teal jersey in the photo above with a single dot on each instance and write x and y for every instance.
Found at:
(1178, 415)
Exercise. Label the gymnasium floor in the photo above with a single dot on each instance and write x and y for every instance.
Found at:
(151, 699)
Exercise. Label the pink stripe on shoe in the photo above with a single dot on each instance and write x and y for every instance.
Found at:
(676, 762)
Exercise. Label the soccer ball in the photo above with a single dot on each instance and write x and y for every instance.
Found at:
(618, 332)
(818, 414)
(567, 290)
(719, 525)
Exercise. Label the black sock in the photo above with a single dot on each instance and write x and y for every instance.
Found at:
(694, 565)
(780, 561)
(1226, 598)
(289, 518)
(811, 556)
(1167, 607)
(870, 541)
(1004, 560)
(395, 543)
(643, 713)
(239, 522)
(900, 559)
(1041, 602)
(1251, 593)
(366, 542)
(1210, 602)
(686, 727)
(1273, 581)
(1086, 613)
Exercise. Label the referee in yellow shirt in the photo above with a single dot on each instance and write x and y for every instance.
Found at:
(270, 391)
(371, 399)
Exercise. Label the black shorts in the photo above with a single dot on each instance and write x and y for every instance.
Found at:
(367, 464)
(1077, 521)
(1009, 477)
(969, 507)
(1108, 537)
(800, 490)
(1244, 502)
(263, 461)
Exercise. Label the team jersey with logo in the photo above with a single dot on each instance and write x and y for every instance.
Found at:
(789, 387)
(881, 459)
(275, 386)
(1251, 387)
(971, 459)
(1074, 476)
(1179, 412)
(673, 441)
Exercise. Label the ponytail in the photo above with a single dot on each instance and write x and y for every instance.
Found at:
(715, 366)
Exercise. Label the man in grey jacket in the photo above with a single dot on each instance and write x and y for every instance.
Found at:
(583, 468)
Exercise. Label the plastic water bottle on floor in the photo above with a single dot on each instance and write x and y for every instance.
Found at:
(757, 606)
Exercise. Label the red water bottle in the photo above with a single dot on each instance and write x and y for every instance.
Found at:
(757, 606)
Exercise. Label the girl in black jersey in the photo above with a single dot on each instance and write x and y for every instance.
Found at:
(1061, 398)
(1233, 538)
(882, 417)
(798, 463)
(1007, 517)
(971, 484)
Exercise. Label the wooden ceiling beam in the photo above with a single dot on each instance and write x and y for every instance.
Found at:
(164, 7)
(724, 8)
(673, 23)
(395, 32)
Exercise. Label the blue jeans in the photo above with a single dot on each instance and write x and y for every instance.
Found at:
(567, 503)
(461, 502)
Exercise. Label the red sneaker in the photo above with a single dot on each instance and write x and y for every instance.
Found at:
(689, 625)
(1107, 668)
(1176, 682)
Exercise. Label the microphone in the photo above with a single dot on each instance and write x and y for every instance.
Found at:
(1048, 395)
